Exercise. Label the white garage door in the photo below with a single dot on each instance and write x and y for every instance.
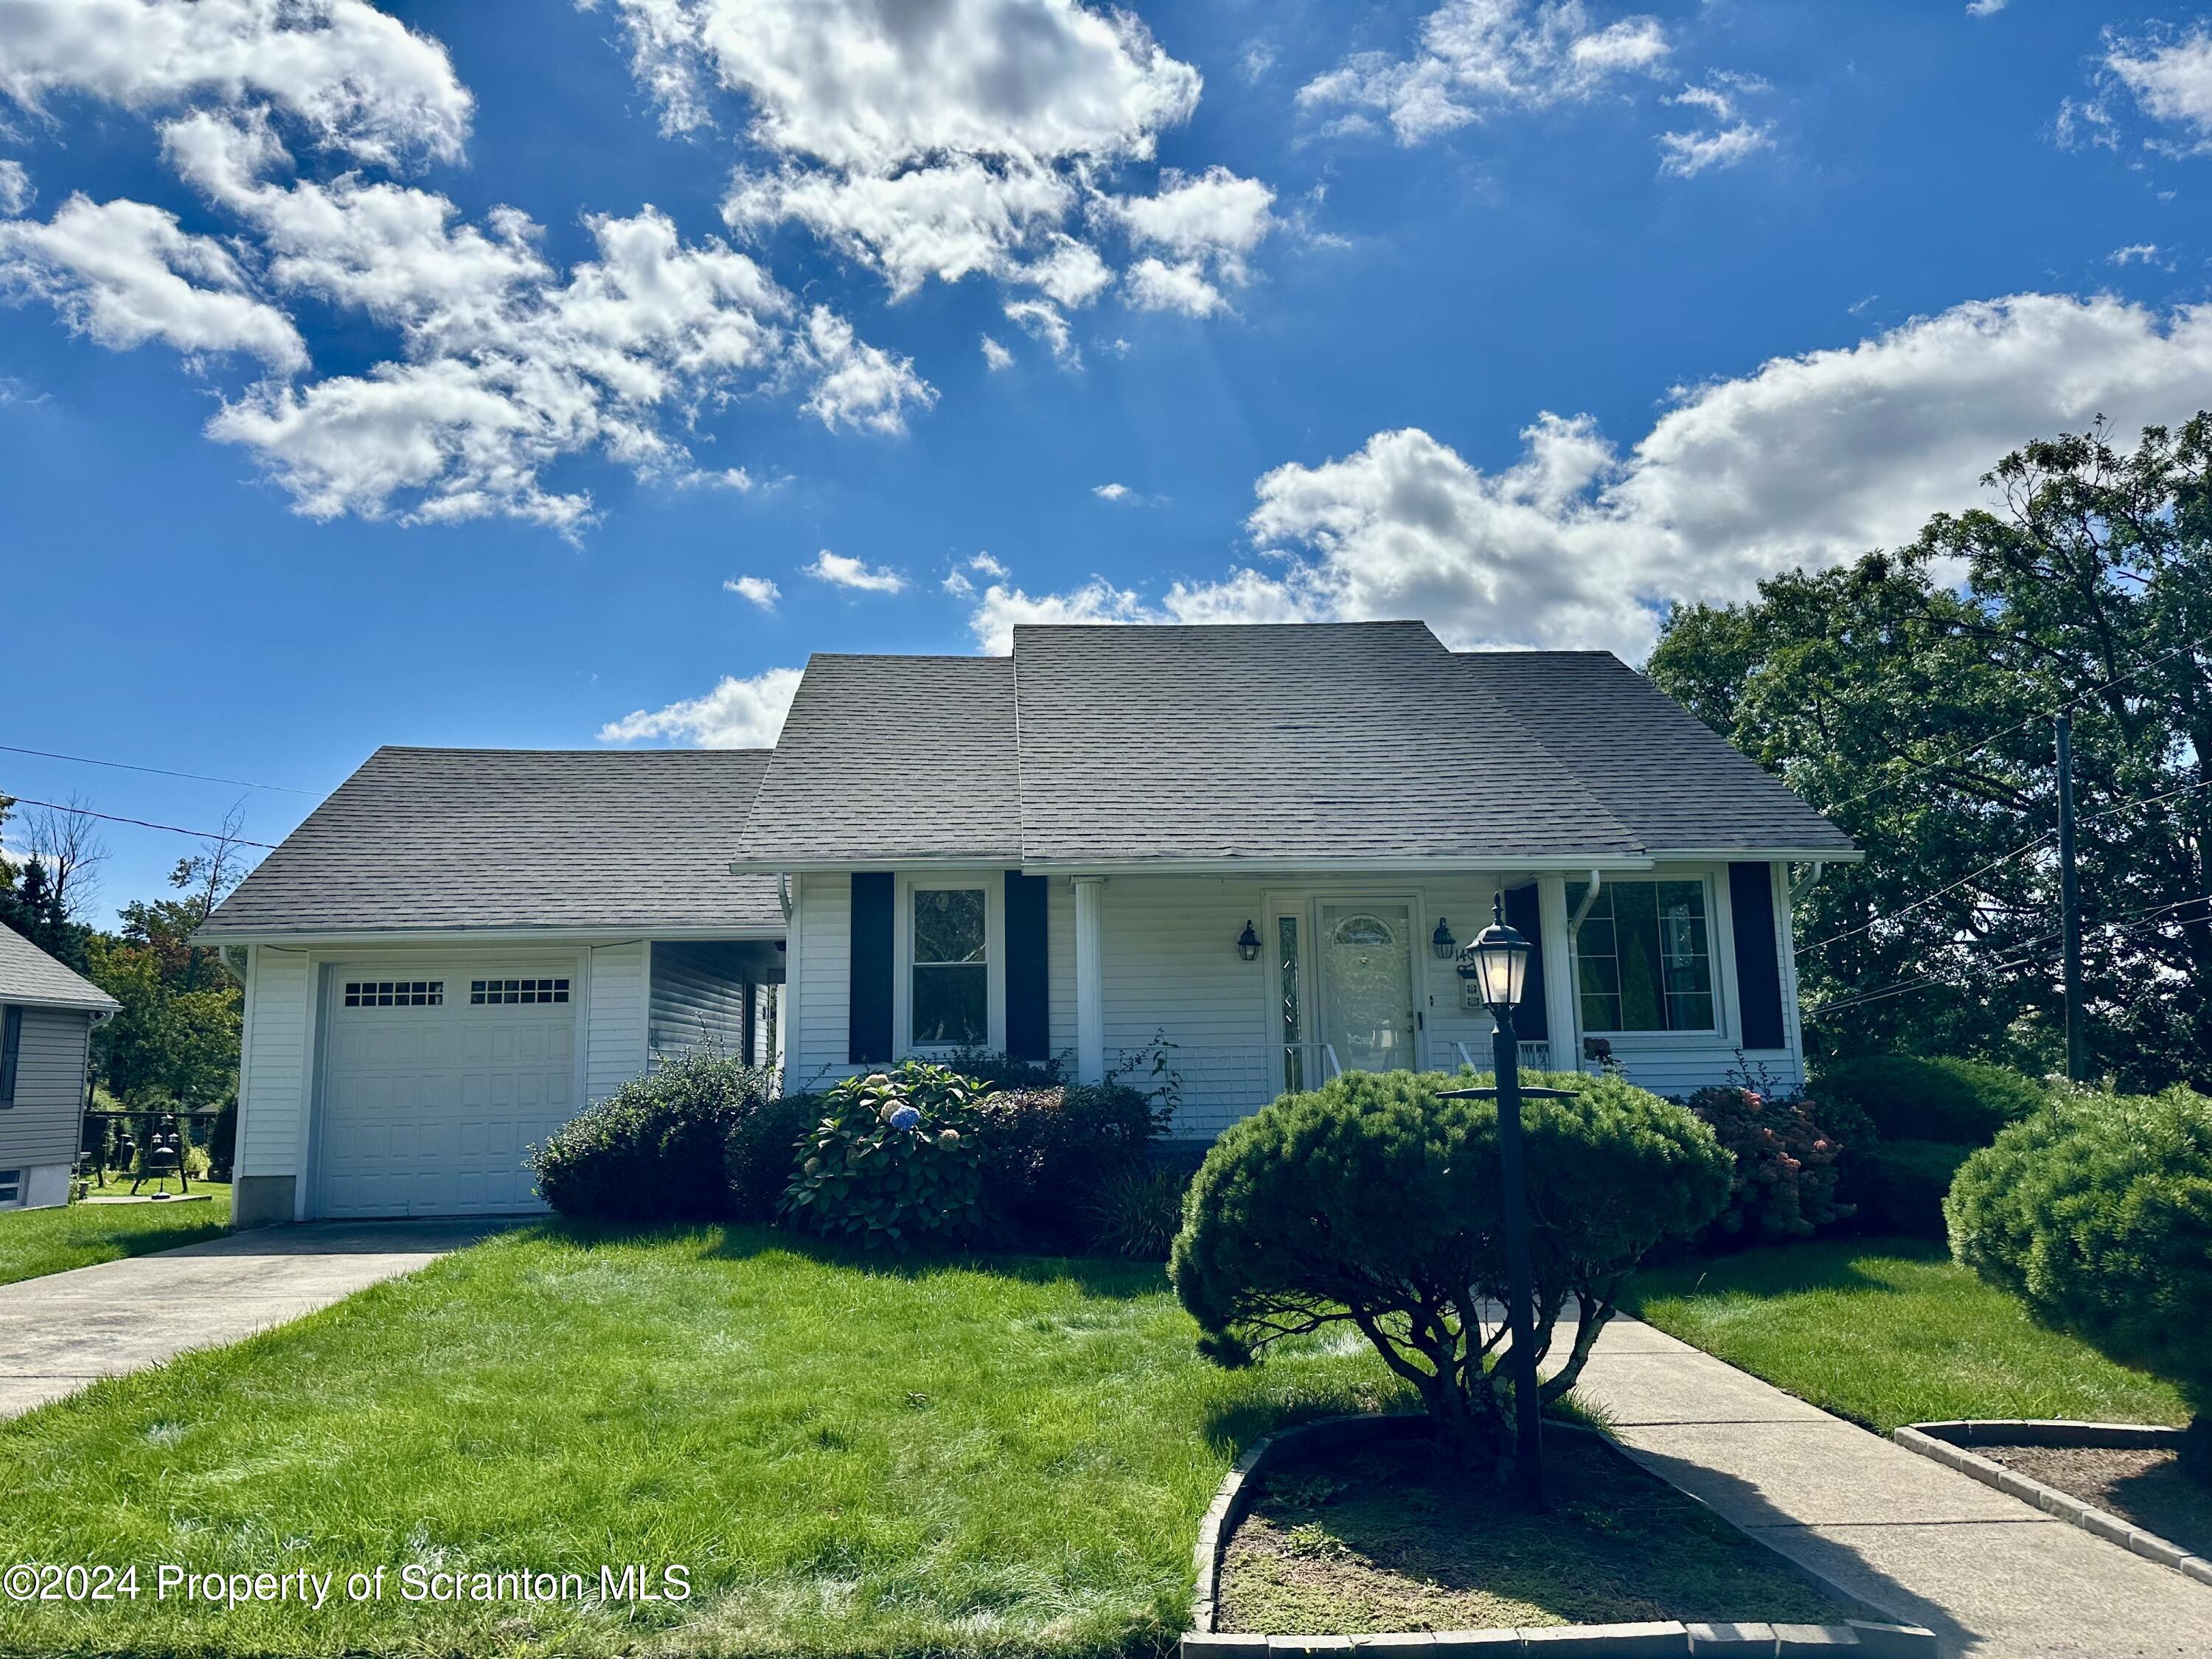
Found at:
(435, 1081)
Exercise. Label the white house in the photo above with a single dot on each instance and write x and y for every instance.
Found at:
(47, 1011)
(1256, 844)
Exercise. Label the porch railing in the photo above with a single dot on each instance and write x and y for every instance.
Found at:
(1535, 1057)
(1220, 1083)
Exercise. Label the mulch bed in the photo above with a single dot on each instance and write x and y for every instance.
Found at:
(2144, 1485)
(1360, 1538)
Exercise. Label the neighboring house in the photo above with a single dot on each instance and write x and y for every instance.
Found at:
(1256, 844)
(46, 1015)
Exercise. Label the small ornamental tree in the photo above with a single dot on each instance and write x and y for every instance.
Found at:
(1371, 1202)
(2097, 1213)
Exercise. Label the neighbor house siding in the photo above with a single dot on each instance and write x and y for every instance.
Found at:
(273, 1082)
(615, 1028)
(41, 1127)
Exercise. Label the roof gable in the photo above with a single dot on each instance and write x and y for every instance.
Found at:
(893, 758)
(31, 976)
(435, 839)
(1301, 743)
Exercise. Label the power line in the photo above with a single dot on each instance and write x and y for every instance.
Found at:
(1996, 863)
(144, 824)
(158, 771)
(2128, 921)
(2036, 719)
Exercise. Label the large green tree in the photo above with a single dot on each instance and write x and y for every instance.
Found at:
(1911, 696)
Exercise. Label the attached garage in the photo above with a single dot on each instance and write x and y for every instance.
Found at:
(437, 1079)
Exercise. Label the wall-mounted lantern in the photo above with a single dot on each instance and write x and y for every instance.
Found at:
(1248, 944)
(1442, 941)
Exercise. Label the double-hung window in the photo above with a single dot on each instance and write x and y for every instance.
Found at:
(1645, 958)
(949, 995)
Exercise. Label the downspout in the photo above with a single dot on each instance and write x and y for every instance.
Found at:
(1807, 882)
(1574, 967)
(783, 895)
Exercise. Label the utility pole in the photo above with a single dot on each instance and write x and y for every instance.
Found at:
(2069, 904)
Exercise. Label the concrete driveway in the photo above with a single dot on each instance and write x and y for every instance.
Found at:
(59, 1332)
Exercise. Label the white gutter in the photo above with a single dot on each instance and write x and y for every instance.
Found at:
(1407, 864)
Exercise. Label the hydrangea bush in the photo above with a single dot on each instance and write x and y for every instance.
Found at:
(1786, 1169)
(897, 1160)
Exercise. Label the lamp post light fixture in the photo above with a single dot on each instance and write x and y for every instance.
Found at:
(1497, 962)
(1442, 941)
(1248, 944)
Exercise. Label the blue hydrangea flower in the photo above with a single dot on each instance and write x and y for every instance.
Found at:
(905, 1118)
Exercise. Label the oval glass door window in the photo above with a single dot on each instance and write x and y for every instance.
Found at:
(1367, 985)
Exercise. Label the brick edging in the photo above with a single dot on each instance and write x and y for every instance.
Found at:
(1871, 1638)
(1948, 1443)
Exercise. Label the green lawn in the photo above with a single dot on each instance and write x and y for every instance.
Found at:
(1890, 1331)
(1006, 1456)
(34, 1242)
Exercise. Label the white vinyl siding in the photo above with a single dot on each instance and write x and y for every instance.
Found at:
(273, 1082)
(615, 1023)
(41, 1127)
(822, 999)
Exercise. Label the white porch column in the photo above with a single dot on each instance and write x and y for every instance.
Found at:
(1561, 1003)
(1089, 980)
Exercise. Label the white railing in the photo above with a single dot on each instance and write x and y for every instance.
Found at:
(1218, 1085)
(1535, 1057)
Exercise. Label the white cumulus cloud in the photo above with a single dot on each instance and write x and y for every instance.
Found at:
(125, 273)
(996, 357)
(2171, 79)
(840, 571)
(1479, 56)
(17, 192)
(1726, 138)
(759, 590)
(1807, 461)
(357, 77)
(736, 714)
(1109, 492)
(960, 138)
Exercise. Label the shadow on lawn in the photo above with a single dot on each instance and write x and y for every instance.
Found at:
(1788, 1269)
(1100, 1276)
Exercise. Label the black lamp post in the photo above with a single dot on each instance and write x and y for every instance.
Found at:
(1497, 962)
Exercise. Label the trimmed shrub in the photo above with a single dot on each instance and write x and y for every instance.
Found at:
(1002, 1070)
(652, 1150)
(1136, 1212)
(222, 1140)
(2097, 1213)
(897, 1160)
(1371, 1201)
(1965, 1102)
(762, 1147)
(1785, 1174)
(1047, 1151)
(1899, 1185)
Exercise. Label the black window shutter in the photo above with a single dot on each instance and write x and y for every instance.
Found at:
(11, 1046)
(1757, 966)
(1028, 1029)
(868, 1013)
(1531, 1022)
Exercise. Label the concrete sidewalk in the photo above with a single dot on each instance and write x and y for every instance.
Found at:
(59, 1332)
(1991, 1577)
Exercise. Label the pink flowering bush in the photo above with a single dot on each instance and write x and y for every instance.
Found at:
(1784, 1185)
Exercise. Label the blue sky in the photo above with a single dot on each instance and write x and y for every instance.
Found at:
(484, 374)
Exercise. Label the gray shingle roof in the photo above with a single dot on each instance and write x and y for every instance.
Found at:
(1290, 743)
(28, 974)
(892, 758)
(433, 839)
(1676, 783)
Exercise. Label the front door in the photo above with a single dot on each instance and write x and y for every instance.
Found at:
(1367, 985)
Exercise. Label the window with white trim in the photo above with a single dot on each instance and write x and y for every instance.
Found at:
(487, 991)
(948, 990)
(395, 993)
(1645, 958)
(11, 1187)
